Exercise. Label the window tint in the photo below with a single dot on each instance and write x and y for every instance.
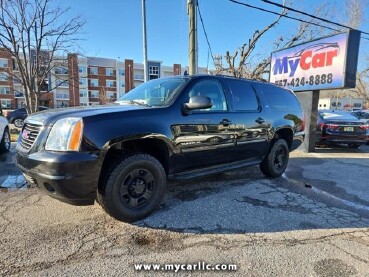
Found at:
(244, 98)
(279, 99)
(213, 90)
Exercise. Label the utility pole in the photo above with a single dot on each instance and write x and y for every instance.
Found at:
(192, 51)
(144, 39)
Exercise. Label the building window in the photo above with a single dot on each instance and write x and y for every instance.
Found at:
(62, 96)
(6, 103)
(109, 72)
(110, 83)
(122, 84)
(82, 69)
(121, 72)
(83, 93)
(154, 72)
(94, 82)
(4, 90)
(18, 93)
(62, 83)
(4, 76)
(4, 62)
(94, 93)
(110, 94)
(83, 82)
(61, 70)
(83, 104)
(94, 71)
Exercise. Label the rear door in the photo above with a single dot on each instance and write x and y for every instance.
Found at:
(250, 124)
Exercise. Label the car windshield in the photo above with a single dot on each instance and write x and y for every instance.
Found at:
(159, 92)
(337, 115)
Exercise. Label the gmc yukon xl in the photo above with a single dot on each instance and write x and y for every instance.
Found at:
(178, 127)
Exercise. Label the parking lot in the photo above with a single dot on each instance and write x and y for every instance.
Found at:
(313, 221)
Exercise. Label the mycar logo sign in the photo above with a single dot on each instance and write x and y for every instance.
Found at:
(326, 63)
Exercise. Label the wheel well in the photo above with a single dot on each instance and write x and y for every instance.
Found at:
(285, 134)
(154, 147)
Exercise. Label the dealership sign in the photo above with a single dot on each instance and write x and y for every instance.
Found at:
(326, 63)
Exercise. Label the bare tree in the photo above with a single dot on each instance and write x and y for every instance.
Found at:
(35, 33)
(245, 63)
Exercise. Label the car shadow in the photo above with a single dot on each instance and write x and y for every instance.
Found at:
(314, 193)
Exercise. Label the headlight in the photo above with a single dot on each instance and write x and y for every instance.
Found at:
(65, 135)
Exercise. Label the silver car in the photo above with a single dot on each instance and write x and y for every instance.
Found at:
(4, 133)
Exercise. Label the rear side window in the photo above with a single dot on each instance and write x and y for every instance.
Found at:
(244, 98)
(279, 99)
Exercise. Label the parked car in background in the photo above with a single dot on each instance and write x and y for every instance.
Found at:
(362, 114)
(341, 127)
(4, 133)
(18, 116)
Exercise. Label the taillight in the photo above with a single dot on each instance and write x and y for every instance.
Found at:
(328, 126)
(364, 127)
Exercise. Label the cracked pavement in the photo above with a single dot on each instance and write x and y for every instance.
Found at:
(313, 221)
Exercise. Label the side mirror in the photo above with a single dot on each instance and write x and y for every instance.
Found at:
(197, 102)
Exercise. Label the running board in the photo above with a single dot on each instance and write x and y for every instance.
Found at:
(213, 169)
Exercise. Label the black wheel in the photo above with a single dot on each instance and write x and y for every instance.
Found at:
(276, 162)
(18, 122)
(134, 189)
(353, 145)
(5, 141)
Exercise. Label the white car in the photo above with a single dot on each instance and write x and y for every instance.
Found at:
(4, 133)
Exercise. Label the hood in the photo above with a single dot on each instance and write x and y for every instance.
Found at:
(49, 117)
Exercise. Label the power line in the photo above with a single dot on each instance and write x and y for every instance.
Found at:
(206, 36)
(287, 16)
(310, 15)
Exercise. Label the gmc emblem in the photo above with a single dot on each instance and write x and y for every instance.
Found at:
(26, 134)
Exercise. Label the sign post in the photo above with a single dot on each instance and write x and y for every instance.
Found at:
(325, 63)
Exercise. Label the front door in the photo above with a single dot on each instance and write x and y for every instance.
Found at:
(204, 137)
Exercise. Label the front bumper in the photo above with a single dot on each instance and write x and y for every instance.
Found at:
(70, 177)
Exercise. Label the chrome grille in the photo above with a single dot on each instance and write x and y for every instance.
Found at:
(29, 134)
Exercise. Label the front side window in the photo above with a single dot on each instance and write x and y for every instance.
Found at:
(212, 89)
(158, 92)
(243, 94)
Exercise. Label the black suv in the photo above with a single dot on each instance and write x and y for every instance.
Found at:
(176, 127)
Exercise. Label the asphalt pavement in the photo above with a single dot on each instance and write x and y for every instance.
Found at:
(312, 221)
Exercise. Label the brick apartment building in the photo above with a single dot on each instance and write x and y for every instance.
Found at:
(82, 81)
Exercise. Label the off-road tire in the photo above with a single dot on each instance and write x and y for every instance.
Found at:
(135, 175)
(276, 162)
